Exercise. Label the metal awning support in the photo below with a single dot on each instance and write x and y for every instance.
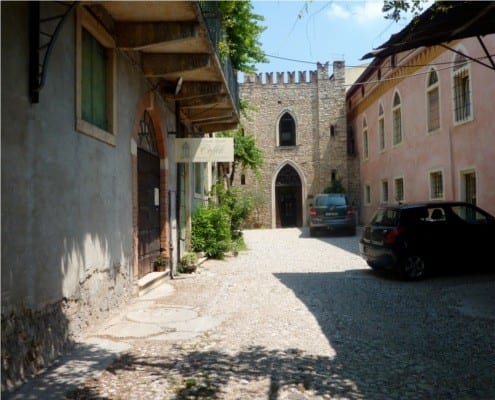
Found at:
(469, 57)
(43, 32)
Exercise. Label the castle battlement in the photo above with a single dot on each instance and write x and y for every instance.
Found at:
(289, 77)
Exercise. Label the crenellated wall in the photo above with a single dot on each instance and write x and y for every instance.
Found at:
(316, 101)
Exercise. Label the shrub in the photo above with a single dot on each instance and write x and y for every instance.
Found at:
(237, 205)
(211, 231)
(335, 187)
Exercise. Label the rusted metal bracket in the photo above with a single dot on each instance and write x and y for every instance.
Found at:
(45, 22)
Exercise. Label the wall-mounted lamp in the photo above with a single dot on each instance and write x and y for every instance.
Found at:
(178, 85)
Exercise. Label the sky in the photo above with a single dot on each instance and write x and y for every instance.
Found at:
(326, 31)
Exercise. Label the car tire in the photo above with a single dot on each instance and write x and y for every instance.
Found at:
(413, 267)
(312, 232)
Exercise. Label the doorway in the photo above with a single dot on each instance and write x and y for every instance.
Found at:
(288, 198)
(148, 166)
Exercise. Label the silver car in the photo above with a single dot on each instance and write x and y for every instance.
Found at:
(331, 212)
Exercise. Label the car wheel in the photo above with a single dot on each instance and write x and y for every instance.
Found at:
(413, 267)
(312, 232)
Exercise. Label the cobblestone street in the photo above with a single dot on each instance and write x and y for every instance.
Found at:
(296, 317)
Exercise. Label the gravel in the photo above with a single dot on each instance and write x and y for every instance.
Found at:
(305, 318)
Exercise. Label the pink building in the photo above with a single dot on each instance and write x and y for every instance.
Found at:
(423, 123)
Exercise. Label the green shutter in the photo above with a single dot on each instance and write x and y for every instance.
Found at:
(94, 81)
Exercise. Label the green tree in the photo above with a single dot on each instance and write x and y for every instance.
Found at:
(242, 30)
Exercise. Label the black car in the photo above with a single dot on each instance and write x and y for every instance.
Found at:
(414, 239)
(331, 212)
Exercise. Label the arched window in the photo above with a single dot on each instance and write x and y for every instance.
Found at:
(396, 120)
(146, 135)
(462, 89)
(433, 101)
(287, 131)
(365, 139)
(381, 128)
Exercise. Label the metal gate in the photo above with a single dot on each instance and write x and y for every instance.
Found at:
(148, 197)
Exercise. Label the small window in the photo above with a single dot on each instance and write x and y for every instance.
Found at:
(462, 90)
(198, 179)
(433, 102)
(332, 130)
(95, 79)
(365, 140)
(436, 185)
(381, 128)
(384, 191)
(397, 120)
(399, 189)
(287, 131)
(367, 195)
(243, 179)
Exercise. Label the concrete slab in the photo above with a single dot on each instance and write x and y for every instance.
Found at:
(69, 372)
(164, 290)
(161, 316)
(129, 330)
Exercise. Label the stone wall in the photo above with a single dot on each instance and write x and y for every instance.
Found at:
(316, 101)
(32, 339)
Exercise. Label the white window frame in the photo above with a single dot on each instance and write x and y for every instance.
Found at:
(431, 175)
(430, 88)
(366, 146)
(463, 70)
(397, 108)
(87, 21)
(396, 179)
(462, 184)
(381, 129)
(384, 199)
(367, 194)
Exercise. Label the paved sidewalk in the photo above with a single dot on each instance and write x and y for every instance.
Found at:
(143, 319)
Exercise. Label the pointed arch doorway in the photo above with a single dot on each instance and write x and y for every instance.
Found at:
(288, 198)
(148, 168)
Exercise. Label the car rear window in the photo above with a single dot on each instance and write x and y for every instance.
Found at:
(325, 201)
(385, 217)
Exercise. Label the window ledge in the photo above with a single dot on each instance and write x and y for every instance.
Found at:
(95, 132)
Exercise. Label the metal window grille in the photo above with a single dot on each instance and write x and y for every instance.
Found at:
(399, 189)
(436, 182)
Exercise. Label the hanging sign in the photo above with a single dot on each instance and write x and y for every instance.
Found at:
(204, 150)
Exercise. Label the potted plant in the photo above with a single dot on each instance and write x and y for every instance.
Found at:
(188, 262)
(160, 264)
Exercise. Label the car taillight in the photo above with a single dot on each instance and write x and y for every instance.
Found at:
(392, 235)
(312, 212)
(350, 210)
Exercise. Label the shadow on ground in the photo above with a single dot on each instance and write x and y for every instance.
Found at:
(203, 374)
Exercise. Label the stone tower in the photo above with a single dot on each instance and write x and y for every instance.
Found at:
(300, 125)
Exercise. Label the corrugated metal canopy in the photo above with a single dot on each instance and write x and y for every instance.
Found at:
(441, 23)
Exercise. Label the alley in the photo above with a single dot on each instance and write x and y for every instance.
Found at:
(296, 317)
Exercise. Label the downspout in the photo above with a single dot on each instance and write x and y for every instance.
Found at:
(178, 134)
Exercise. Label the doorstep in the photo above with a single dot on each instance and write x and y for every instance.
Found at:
(151, 281)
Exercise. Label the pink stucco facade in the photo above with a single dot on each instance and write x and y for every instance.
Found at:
(455, 161)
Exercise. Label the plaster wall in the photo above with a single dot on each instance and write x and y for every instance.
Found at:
(67, 203)
(452, 149)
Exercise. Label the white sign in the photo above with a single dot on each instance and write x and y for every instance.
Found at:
(204, 150)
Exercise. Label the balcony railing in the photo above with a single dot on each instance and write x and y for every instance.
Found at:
(211, 15)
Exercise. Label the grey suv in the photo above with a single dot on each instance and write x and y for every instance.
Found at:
(331, 212)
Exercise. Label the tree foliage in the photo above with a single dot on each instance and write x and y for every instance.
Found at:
(242, 30)
(394, 9)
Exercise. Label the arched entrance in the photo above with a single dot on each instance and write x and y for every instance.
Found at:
(288, 198)
(148, 166)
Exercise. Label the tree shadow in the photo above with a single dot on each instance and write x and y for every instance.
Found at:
(205, 374)
(397, 339)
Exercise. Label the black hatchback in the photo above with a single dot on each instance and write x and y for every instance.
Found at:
(414, 239)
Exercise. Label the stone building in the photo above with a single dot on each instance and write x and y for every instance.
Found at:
(300, 125)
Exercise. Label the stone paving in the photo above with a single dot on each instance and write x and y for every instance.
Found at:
(297, 318)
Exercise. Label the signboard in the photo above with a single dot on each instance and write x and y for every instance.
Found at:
(204, 150)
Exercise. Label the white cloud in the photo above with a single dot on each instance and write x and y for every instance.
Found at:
(361, 12)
